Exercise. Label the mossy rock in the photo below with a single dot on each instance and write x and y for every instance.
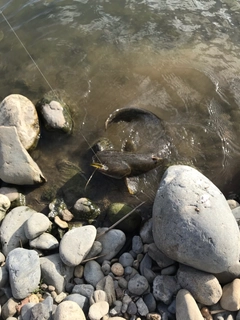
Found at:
(116, 211)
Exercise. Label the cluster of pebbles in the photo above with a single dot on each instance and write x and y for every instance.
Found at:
(182, 264)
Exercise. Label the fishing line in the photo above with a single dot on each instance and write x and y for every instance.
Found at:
(26, 50)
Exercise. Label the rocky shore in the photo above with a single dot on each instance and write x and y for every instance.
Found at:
(183, 263)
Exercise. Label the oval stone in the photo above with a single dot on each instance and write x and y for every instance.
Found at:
(76, 244)
(192, 221)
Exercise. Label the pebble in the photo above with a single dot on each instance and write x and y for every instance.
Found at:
(36, 225)
(81, 300)
(232, 204)
(95, 250)
(9, 308)
(45, 241)
(99, 295)
(138, 285)
(61, 223)
(76, 244)
(132, 308)
(98, 310)
(78, 271)
(107, 285)
(117, 269)
(84, 289)
(142, 307)
(12, 229)
(137, 244)
(55, 272)
(126, 259)
(203, 286)
(164, 287)
(24, 272)
(112, 242)
(150, 302)
(186, 306)
(60, 297)
(93, 272)
(69, 310)
(230, 299)
(42, 310)
(3, 276)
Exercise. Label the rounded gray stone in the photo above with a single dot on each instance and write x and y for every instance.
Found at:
(81, 300)
(76, 244)
(126, 259)
(18, 111)
(192, 221)
(186, 306)
(12, 229)
(36, 225)
(138, 285)
(24, 272)
(164, 288)
(146, 232)
(93, 272)
(203, 286)
(112, 242)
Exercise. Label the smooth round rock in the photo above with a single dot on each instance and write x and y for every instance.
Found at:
(69, 310)
(45, 241)
(138, 285)
(24, 272)
(117, 269)
(93, 272)
(36, 225)
(18, 111)
(112, 242)
(231, 296)
(193, 223)
(76, 244)
(203, 286)
(186, 306)
(98, 310)
(126, 259)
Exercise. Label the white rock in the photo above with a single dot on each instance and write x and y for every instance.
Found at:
(16, 165)
(69, 310)
(12, 233)
(193, 223)
(76, 244)
(36, 225)
(45, 241)
(98, 310)
(4, 205)
(18, 111)
(186, 306)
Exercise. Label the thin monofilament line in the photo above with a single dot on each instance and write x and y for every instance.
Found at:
(28, 53)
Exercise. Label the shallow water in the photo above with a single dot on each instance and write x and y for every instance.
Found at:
(176, 58)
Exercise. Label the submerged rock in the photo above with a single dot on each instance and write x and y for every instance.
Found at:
(18, 111)
(55, 112)
(192, 221)
(16, 165)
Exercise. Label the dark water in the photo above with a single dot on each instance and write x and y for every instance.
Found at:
(178, 58)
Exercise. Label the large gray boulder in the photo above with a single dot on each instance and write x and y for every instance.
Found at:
(193, 223)
(18, 111)
(16, 165)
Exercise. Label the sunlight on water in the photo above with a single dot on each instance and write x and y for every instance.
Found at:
(178, 59)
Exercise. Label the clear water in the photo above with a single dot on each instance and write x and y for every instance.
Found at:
(177, 58)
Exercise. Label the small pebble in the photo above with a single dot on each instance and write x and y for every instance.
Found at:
(61, 223)
(117, 269)
(126, 259)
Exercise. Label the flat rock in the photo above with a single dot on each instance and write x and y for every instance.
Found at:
(76, 244)
(24, 272)
(193, 223)
(112, 242)
(18, 111)
(12, 232)
(36, 225)
(55, 272)
(69, 310)
(186, 306)
(45, 241)
(16, 165)
(203, 286)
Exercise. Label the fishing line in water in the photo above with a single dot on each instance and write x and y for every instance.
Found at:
(26, 50)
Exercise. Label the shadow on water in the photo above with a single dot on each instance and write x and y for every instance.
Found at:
(177, 59)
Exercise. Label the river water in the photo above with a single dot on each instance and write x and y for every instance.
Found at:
(179, 59)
